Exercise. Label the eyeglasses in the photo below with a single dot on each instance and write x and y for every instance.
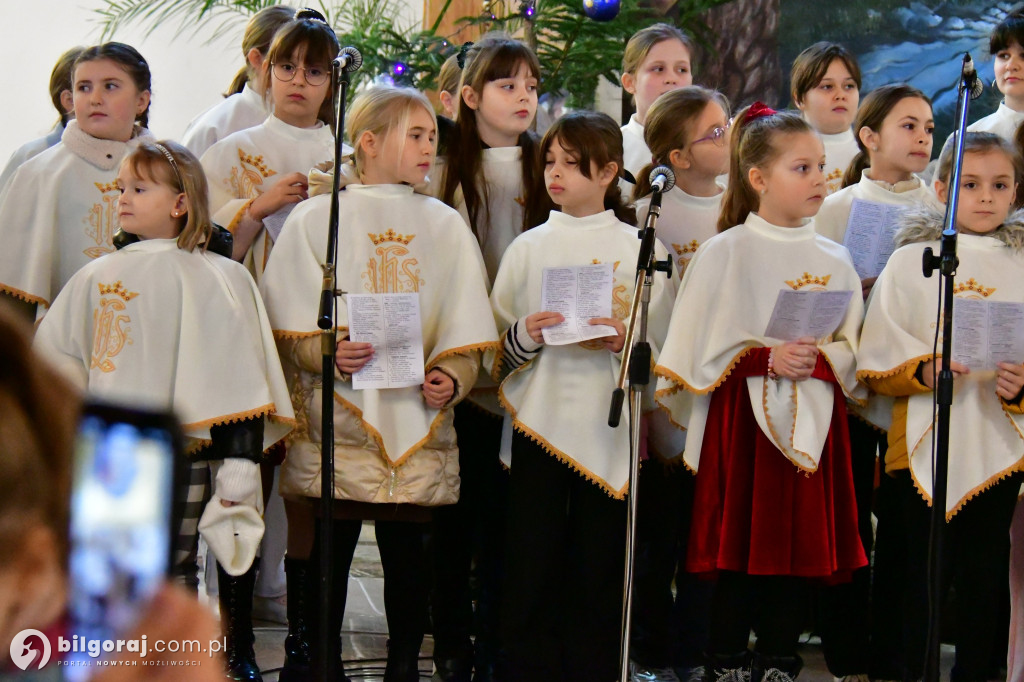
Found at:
(285, 71)
(717, 135)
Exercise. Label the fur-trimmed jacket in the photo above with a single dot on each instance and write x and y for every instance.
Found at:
(925, 223)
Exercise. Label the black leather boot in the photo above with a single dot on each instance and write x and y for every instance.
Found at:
(236, 621)
(403, 663)
(775, 668)
(727, 668)
(298, 659)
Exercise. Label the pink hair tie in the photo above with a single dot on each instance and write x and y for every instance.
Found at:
(758, 110)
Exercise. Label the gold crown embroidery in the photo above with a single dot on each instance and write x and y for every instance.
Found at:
(834, 175)
(255, 162)
(390, 236)
(683, 249)
(117, 289)
(106, 187)
(972, 286)
(807, 280)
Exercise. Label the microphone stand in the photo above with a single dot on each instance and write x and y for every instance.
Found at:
(636, 365)
(946, 263)
(328, 642)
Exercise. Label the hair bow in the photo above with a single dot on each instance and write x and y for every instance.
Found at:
(461, 59)
(758, 110)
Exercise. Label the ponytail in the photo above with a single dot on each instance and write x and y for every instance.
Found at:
(670, 126)
(857, 166)
(259, 33)
(753, 145)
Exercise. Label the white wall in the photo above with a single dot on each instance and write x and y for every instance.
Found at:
(188, 75)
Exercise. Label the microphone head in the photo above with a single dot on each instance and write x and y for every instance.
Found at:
(970, 77)
(354, 61)
(670, 178)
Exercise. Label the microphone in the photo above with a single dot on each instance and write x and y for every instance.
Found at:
(349, 60)
(662, 179)
(969, 77)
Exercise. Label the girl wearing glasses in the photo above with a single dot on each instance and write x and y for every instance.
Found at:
(258, 175)
(687, 130)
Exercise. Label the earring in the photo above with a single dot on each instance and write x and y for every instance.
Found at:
(874, 148)
(763, 191)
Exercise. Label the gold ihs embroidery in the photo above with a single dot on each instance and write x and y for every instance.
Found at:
(110, 326)
(389, 272)
(101, 221)
(247, 180)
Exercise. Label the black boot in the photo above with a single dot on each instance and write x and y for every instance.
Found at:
(403, 663)
(236, 621)
(775, 668)
(298, 659)
(727, 668)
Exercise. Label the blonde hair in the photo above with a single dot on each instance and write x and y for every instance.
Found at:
(450, 76)
(641, 43)
(171, 164)
(382, 111)
(60, 80)
(259, 33)
(669, 127)
(754, 144)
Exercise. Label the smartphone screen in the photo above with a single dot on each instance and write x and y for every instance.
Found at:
(122, 530)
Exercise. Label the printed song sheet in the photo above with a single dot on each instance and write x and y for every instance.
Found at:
(391, 322)
(986, 333)
(807, 313)
(274, 222)
(869, 235)
(579, 294)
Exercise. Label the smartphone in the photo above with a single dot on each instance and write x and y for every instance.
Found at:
(128, 471)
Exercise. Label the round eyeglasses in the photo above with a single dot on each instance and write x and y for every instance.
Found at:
(285, 71)
(717, 135)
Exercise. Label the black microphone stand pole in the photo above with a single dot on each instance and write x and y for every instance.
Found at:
(636, 366)
(328, 641)
(946, 263)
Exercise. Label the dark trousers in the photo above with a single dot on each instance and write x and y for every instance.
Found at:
(775, 602)
(467, 542)
(974, 560)
(403, 559)
(667, 630)
(844, 609)
(562, 600)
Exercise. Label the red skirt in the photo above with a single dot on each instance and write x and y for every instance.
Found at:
(754, 511)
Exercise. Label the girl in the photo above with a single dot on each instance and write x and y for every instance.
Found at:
(569, 469)
(687, 130)
(492, 161)
(1006, 44)
(894, 134)
(766, 419)
(395, 448)
(657, 59)
(825, 85)
(894, 131)
(160, 323)
(986, 452)
(258, 175)
(57, 212)
(448, 87)
(60, 95)
(245, 104)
